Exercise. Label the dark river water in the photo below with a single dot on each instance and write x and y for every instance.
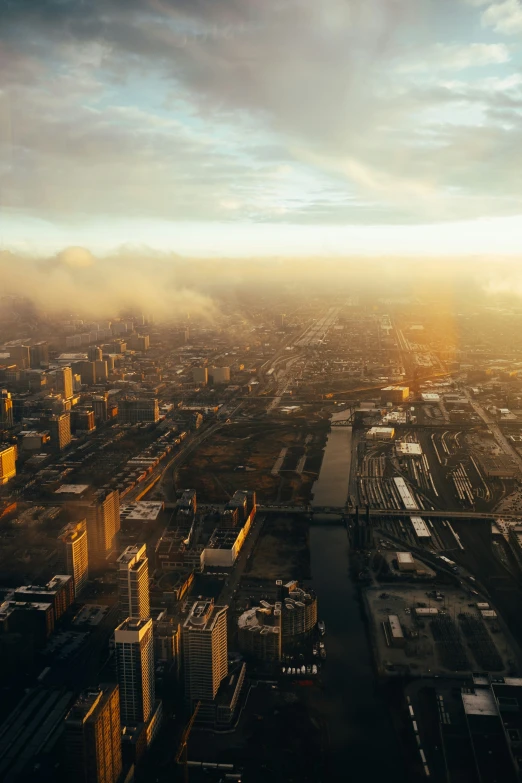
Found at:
(331, 488)
(363, 747)
(362, 742)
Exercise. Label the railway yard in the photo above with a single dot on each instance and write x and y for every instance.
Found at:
(444, 469)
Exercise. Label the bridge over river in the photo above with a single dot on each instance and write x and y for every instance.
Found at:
(348, 512)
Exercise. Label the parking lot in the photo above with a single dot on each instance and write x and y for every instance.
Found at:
(451, 636)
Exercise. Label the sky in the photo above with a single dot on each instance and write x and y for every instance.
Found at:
(262, 127)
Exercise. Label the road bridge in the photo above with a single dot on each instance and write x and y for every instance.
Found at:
(350, 512)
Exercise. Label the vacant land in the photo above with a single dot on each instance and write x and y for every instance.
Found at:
(244, 455)
(282, 551)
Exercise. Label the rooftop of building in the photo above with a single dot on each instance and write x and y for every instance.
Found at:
(8, 607)
(203, 615)
(479, 702)
(72, 489)
(254, 619)
(133, 624)
(52, 586)
(133, 552)
(141, 511)
(223, 539)
(87, 702)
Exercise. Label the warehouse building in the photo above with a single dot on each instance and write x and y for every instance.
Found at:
(395, 395)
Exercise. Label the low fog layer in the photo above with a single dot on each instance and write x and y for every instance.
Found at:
(168, 285)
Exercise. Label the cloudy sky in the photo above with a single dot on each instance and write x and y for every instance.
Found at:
(262, 127)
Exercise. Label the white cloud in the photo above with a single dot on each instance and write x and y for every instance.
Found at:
(456, 57)
(504, 17)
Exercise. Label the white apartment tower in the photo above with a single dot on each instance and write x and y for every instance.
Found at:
(133, 580)
(205, 653)
(135, 668)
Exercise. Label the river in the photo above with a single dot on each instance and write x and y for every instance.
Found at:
(331, 488)
(362, 744)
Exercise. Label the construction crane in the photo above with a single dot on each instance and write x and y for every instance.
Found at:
(181, 755)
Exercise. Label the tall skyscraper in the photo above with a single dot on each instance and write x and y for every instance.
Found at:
(100, 405)
(94, 353)
(6, 410)
(135, 668)
(39, 355)
(87, 371)
(64, 382)
(20, 354)
(76, 556)
(60, 429)
(93, 737)
(7, 463)
(133, 580)
(205, 653)
(101, 369)
(103, 521)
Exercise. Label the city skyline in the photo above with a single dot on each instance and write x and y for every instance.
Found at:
(213, 129)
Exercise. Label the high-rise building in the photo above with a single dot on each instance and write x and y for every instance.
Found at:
(93, 737)
(205, 653)
(139, 342)
(219, 375)
(133, 580)
(100, 404)
(6, 410)
(76, 554)
(60, 430)
(94, 353)
(7, 463)
(39, 355)
(111, 362)
(134, 645)
(59, 592)
(102, 514)
(200, 375)
(20, 354)
(82, 420)
(87, 371)
(132, 410)
(101, 369)
(64, 382)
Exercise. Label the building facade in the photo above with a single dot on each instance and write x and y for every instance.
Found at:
(136, 410)
(7, 463)
(6, 410)
(64, 382)
(76, 553)
(102, 515)
(205, 651)
(133, 581)
(60, 430)
(93, 737)
(134, 645)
